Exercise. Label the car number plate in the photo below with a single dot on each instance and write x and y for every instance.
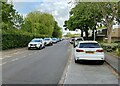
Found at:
(32, 46)
(90, 52)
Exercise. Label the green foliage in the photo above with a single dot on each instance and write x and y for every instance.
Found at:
(17, 32)
(118, 51)
(16, 38)
(86, 15)
(71, 35)
(39, 23)
(110, 47)
(10, 18)
(57, 31)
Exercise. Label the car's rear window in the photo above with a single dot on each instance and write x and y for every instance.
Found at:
(89, 45)
(80, 39)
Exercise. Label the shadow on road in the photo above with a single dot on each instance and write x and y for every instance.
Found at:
(89, 62)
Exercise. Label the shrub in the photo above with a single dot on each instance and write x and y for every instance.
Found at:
(109, 47)
(118, 51)
(15, 39)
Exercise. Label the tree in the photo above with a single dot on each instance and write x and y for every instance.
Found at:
(57, 31)
(10, 18)
(84, 16)
(109, 11)
(39, 23)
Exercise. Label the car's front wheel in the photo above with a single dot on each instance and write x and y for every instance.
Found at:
(28, 48)
(40, 47)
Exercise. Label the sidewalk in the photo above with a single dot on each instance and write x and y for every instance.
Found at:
(89, 74)
(113, 62)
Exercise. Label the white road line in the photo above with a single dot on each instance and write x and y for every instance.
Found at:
(6, 56)
(15, 59)
(24, 56)
(16, 53)
(29, 54)
(3, 63)
(1, 58)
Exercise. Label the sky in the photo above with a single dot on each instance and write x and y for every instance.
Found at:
(58, 8)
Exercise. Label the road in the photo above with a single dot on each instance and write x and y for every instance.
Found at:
(44, 66)
(47, 66)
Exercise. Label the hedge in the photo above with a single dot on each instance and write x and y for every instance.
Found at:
(16, 39)
(111, 47)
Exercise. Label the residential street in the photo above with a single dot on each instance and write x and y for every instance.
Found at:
(44, 66)
(47, 66)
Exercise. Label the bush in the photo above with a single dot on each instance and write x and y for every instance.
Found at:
(118, 51)
(109, 47)
(15, 39)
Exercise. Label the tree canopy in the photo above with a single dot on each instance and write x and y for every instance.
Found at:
(87, 15)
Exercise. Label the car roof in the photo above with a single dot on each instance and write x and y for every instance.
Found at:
(88, 42)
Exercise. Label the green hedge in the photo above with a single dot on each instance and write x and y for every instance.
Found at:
(15, 39)
(111, 47)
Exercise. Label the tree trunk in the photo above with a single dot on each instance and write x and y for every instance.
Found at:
(109, 31)
(81, 33)
(86, 33)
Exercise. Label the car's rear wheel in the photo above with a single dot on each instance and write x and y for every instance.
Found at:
(76, 61)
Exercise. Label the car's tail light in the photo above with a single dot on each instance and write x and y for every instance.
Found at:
(99, 50)
(78, 50)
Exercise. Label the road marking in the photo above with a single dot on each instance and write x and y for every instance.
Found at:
(29, 54)
(15, 59)
(3, 63)
(35, 52)
(1, 58)
(7, 56)
(16, 53)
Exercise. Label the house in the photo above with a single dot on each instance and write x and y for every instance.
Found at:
(115, 35)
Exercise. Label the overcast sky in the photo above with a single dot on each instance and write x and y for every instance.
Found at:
(58, 8)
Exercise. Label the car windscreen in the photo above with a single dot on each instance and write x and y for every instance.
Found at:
(89, 45)
(47, 39)
(54, 39)
(36, 40)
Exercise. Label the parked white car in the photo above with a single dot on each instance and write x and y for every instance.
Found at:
(54, 40)
(72, 40)
(37, 43)
(77, 40)
(48, 41)
(89, 50)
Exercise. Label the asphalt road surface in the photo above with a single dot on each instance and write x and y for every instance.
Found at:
(44, 66)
